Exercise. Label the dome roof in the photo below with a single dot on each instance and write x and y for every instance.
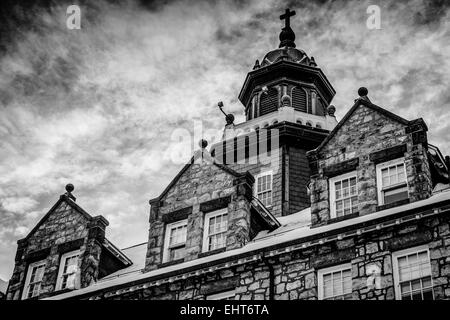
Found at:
(287, 54)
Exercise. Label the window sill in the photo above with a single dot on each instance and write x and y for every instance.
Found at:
(170, 263)
(393, 204)
(348, 216)
(209, 253)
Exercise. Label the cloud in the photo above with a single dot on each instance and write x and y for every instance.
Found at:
(98, 107)
(18, 204)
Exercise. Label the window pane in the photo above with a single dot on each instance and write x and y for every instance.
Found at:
(414, 272)
(346, 196)
(337, 284)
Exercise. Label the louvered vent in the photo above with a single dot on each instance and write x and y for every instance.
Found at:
(299, 99)
(268, 102)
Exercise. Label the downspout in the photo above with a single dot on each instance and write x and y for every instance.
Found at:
(271, 278)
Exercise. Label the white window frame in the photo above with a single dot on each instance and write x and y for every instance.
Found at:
(324, 271)
(169, 227)
(332, 187)
(399, 254)
(208, 216)
(384, 165)
(255, 192)
(62, 262)
(222, 295)
(26, 288)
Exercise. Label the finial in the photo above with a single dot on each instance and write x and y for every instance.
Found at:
(331, 110)
(203, 143)
(69, 189)
(362, 92)
(256, 66)
(287, 36)
(312, 62)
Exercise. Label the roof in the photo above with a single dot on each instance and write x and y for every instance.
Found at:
(137, 255)
(294, 229)
(358, 102)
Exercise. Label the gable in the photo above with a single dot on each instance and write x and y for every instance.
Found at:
(201, 175)
(198, 182)
(63, 217)
(363, 103)
(364, 127)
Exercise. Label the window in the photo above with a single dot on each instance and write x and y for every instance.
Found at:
(335, 283)
(343, 195)
(391, 181)
(33, 280)
(68, 271)
(264, 188)
(412, 274)
(227, 295)
(175, 241)
(215, 231)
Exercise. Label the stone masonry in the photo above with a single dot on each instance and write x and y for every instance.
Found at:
(355, 147)
(65, 229)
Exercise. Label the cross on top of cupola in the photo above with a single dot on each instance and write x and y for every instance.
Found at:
(287, 17)
(287, 36)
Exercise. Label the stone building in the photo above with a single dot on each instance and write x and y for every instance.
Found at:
(290, 205)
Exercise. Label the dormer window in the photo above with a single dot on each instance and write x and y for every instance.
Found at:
(391, 181)
(175, 241)
(263, 190)
(68, 271)
(343, 195)
(34, 279)
(216, 225)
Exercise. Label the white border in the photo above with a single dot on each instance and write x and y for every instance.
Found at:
(167, 236)
(382, 166)
(206, 226)
(323, 271)
(28, 278)
(62, 261)
(332, 189)
(402, 253)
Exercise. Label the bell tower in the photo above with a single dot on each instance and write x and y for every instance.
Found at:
(288, 86)
(286, 96)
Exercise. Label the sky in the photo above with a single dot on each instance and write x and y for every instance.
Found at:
(102, 107)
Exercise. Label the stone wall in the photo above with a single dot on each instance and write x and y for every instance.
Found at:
(64, 230)
(293, 275)
(368, 137)
(202, 188)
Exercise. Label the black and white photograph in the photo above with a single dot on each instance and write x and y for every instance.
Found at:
(256, 150)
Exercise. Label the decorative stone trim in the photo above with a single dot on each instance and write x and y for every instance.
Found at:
(180, 214)
(341, 168)
(332, 258)
(219, 286)
(37, 255)
(70, 246)
(388, 154)
(409, 240)
(215, 204)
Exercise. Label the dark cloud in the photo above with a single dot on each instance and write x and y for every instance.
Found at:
(99, 107)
